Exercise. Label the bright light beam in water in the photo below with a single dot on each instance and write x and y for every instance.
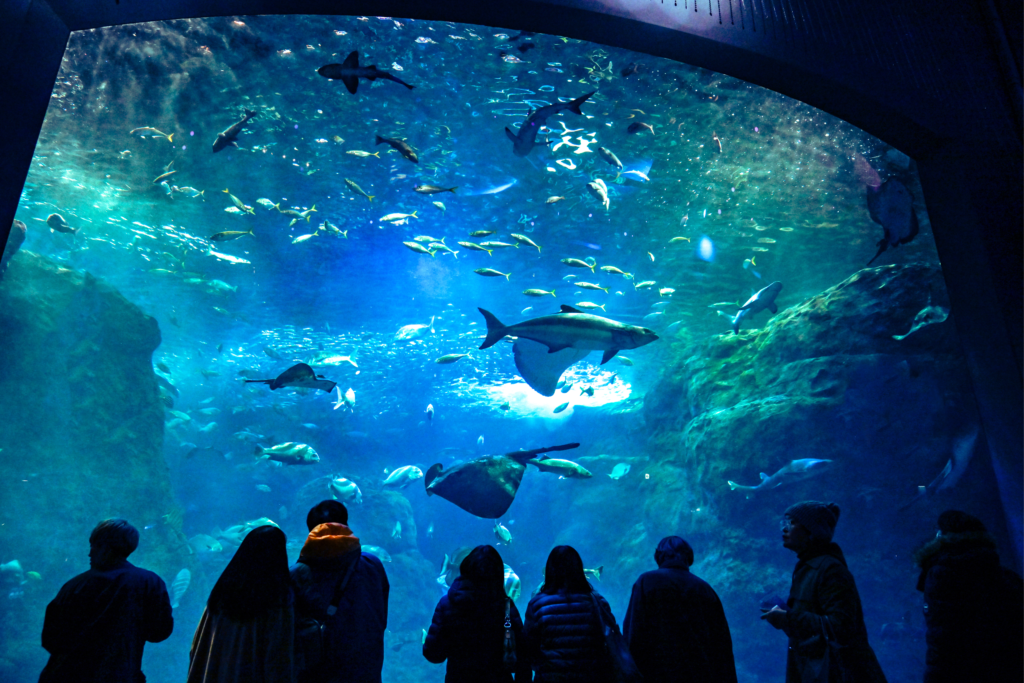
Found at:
(473, 192)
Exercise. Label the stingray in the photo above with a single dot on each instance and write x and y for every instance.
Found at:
(891, 206)
(484, 486)
(299, 376)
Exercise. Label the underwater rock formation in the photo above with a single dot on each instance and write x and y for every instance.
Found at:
(81, 429)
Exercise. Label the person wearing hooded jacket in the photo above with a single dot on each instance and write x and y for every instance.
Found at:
(675, 625)
(353, 643)
(828, 642)
(972, 606)
(563, 632)
(468, 628)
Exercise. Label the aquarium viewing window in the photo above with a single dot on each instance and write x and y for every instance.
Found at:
(339, 233)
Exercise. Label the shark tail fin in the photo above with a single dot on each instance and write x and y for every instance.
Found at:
(495, 329)
(764, 477)
(574, 106)
(733, 485)
(382, 140)
(249, 114)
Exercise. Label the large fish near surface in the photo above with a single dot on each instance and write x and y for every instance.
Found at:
(796, 470)
(299, 376)
(763, 300)
(229, 138)
(526, 138)
(891, 206)
(546, 346)
(349, 72)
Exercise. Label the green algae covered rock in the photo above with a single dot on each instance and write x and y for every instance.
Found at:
(81, 433)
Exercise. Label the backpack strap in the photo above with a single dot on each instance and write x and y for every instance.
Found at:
(332, 609)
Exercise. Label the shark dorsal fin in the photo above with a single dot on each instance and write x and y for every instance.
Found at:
(764, 477)
(569, 309)
(511, 135)
(352, 61)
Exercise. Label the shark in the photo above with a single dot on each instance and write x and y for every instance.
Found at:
(891, 206)
(547, 345)
(299, 376)
(349, 72)
(229, 137)
(796, 470)
(763, 300)
(526, 138)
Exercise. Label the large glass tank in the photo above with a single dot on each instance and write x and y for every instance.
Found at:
(160, 269)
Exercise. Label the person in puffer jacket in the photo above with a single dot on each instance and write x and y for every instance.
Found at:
(468, 628)
(563, 633)
(972, 605)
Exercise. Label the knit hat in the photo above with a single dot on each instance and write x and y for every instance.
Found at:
(958, 522)
(818, 518)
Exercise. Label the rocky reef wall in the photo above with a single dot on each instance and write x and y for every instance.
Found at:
(81, 434)
(824, 379)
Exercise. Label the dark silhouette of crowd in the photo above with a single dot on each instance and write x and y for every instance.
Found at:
(323, 620)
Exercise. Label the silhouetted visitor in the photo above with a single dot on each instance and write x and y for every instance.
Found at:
(828, 641)
(468, 628)
(353, 637)
(675, 624)
(972, 606)
(99, 622)
(563, 632)
(247, 630)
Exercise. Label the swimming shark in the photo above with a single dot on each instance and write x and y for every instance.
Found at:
(796, 470)
(526, 138)
(229, 138)
(547, 345)
(299, 376)
(763, 300)
(349, 72)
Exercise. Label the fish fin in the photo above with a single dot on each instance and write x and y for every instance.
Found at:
(608, 355)
(574, 106)
(511, 135)
(379, 140)
(495, 330)
(351, 82)
(732, 485)
(540, 368)
(170, 138)
(569, 309)
(430, 475)
(352, 61)
(764, 477)
(248, 112)
(370, 196)
(773, 308)
(452, 189)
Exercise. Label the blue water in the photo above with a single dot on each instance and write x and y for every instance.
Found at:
(761, 187)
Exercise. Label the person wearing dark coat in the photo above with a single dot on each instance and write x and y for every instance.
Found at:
(354, 636)
(96, 627)
(675, 625)
(828, 642)
(247, 631)
(468, 628)
(563, 633)
(972, 606)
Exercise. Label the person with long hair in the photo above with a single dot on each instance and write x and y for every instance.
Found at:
(247, 630)
(468, 628)
(563, 632)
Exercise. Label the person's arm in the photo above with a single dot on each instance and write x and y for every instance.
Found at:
(387, 593)
(435, 647)
(532, 634)
(836, 598)
(159, 623)
(55, 626)
(721, 656)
